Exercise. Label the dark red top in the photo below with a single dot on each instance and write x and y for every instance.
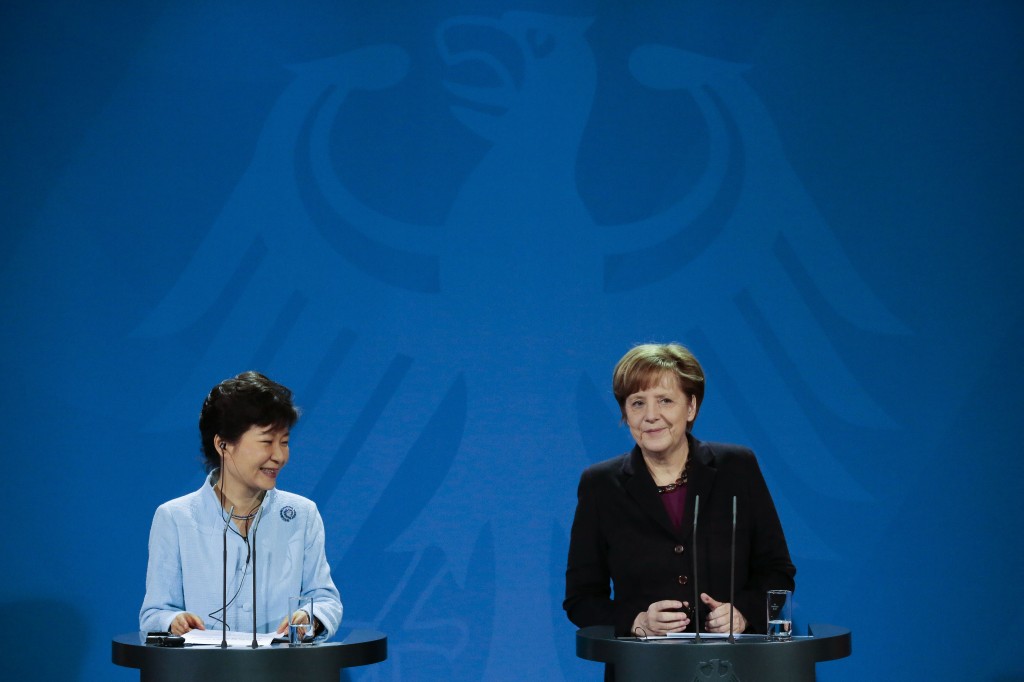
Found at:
(674, 502)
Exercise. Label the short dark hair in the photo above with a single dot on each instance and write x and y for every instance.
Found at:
(235, 405)
(643, 365)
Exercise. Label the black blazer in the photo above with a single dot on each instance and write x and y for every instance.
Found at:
(622, 538)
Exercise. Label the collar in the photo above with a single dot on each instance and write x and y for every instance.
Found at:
(211, 501)
(637, 482)
(633, 463)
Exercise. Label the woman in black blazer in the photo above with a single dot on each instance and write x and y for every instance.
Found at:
(633, 529)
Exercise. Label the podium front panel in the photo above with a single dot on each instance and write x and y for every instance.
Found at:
(276, 662)
(746, 660)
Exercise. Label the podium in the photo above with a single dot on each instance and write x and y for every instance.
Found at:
(749, 659)
(275, 662)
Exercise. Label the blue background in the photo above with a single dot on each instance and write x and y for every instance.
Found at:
(442, 223)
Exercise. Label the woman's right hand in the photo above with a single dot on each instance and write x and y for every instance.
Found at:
(186, 621)
(662, 617)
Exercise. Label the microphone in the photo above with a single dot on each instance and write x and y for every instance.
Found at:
(255, 525)
(224, 565)
(696, 592)
(732, 573)
(224, 584)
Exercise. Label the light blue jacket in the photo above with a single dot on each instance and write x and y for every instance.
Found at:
(185, 564)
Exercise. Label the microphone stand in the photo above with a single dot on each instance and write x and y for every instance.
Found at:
(732, 573)
(696, 592)
(224, 586)
(255, 525)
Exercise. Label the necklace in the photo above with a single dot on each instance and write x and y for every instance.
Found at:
(684, 476)
(239, 517)
(679, 483)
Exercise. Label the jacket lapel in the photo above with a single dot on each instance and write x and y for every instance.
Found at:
(640, 486)
(702, 480)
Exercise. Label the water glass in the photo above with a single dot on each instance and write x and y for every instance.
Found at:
(300, 621)
(780, 615)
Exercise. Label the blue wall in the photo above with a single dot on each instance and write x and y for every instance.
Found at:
(441, 223)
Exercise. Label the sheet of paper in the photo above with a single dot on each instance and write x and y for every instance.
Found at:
(690, 635)
(235, 639)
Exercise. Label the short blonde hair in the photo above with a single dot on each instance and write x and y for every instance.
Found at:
(643, 365)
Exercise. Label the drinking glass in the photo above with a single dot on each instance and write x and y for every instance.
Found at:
(300, 621)
(780, 615)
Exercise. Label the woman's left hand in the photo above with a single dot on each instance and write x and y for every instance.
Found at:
(299, 616)
(718, 619)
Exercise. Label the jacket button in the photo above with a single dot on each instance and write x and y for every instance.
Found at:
(678, 549)
(683, 580)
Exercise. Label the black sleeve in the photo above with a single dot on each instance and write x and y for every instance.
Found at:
(587, 578)
(770, 565)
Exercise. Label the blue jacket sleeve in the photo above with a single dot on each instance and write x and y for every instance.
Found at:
(164, 593)
(316, 578)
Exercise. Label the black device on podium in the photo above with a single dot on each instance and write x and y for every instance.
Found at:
(749, 659)
(277, 662)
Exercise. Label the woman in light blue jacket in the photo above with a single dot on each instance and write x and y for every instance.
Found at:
(245, 426)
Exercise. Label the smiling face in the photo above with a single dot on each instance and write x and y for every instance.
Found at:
(252, 463)
(658, 418)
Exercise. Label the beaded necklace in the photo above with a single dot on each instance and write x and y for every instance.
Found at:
(679, 482)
